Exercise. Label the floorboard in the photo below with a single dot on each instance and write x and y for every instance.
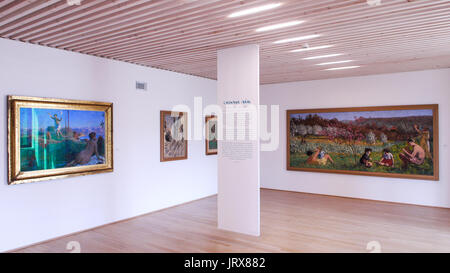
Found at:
(290, 222)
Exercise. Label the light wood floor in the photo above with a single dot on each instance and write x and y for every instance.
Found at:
(291, 222)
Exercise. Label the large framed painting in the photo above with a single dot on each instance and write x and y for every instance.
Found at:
(56, 138)
(389, 141)
(173, 141)
(211, 135)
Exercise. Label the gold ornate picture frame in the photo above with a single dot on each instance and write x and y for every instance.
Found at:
(58, 138)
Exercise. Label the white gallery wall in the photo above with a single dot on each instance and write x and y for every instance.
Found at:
(422, 87)
(140, 183)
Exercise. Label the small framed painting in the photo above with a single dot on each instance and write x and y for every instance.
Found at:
(57, 138)
(211, 135)
(387, 141)
(173, 136)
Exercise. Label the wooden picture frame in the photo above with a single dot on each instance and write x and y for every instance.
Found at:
(352, 126)
(58, 138)
(173, 137)
(209, 150)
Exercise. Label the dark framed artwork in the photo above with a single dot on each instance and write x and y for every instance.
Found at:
(57, 138)
(387, 141)
(211, 135)
(173, 136)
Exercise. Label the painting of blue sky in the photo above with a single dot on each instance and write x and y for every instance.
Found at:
(77, 118)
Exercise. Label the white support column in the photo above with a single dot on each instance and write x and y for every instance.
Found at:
(238, 152)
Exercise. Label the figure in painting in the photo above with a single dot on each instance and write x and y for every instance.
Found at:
(212, 141)
(424, 140)
(77, 136)
(366, 160)
(387, 159)
(44, 142)
(178, 144)
(85, 155)
(416, 157)
(167, 133)
(318, 157)
(101, 145)
(174, 138)
(212, 133)
(57, 124)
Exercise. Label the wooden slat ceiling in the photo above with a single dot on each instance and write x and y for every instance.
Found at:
(184, 35)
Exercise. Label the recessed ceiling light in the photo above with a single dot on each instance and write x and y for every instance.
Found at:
(295, 39)
(254, 10)
(278, 26)
(337, 62)
(322, 56)
(312, 48)
(343, 67)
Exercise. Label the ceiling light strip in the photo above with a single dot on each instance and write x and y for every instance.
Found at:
(295, 39)
(278, 26)
(254, 10)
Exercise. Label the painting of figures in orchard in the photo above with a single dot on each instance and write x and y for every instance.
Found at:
(52, 137)
(391, 141)
(173, 143)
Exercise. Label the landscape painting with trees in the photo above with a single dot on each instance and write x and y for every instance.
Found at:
(393, 141)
